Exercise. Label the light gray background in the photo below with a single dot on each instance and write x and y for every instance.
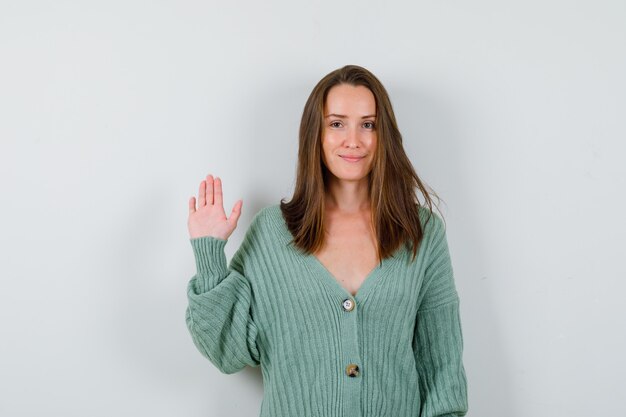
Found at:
(111, 113)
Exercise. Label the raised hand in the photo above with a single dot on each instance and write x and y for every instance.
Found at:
(209, 218)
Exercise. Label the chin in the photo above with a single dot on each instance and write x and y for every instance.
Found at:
(348, 177)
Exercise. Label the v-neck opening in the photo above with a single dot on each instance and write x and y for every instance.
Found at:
(320, 272)
(370, 279)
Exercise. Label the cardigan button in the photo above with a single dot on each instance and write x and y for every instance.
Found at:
(348, 304)
(352, 370)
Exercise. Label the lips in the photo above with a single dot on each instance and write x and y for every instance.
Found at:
(350, 158)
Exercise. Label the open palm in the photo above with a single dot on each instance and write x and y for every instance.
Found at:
(209, 218)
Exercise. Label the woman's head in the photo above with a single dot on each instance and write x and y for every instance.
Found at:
(350, 89)
(387, 169)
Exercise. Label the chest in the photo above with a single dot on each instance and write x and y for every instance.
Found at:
(349, 253)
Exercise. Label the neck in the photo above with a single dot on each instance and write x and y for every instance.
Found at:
(347, 196)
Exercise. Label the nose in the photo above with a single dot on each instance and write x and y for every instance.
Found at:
(353, 138)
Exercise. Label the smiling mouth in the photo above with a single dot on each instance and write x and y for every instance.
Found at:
(348, 159)
(352, 159)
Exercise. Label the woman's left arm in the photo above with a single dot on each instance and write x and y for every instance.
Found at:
(438, 339)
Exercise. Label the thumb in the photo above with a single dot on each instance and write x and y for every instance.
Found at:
(236, 212)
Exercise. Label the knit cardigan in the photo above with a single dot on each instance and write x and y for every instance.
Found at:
(392, 350)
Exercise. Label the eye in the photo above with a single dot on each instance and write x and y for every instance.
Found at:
(369, 123)
(332, 124)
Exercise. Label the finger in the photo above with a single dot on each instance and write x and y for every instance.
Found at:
(236, 212)
(201, 194)
(192, 205)
(218, 192)
(209, 189)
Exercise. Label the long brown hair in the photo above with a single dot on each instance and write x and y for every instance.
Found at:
(392, 179)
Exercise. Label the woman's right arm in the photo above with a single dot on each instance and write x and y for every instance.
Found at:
(218, 315)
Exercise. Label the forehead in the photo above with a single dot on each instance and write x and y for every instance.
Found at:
(349, 99)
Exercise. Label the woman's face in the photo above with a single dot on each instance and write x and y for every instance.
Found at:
(349, 135)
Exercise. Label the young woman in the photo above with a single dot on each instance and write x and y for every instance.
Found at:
(344, 295)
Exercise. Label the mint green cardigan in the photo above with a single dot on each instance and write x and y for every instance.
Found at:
(393, 350)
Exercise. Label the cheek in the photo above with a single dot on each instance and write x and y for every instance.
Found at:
(324, 150)
(328, 143)
(373, 142)
(328, 136)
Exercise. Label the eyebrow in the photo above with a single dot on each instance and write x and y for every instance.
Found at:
(344, 116)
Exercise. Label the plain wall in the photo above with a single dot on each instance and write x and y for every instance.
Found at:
(111, 113)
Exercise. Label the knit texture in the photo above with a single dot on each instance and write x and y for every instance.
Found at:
(274, 306)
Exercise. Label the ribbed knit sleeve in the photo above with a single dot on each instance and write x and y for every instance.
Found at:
(438, 339)
(219, 315)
